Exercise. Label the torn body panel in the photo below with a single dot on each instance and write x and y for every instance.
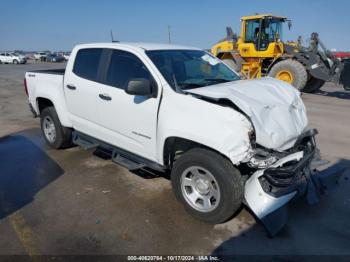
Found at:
(269, 189)
(261, 202)
(274, 107)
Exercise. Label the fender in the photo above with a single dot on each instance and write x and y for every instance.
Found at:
(220, 128)
(55, 95)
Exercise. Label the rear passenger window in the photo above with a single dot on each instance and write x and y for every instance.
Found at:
(123, 67)
(86, 63)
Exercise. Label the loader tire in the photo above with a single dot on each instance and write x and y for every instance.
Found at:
(313, 85)
(232, 64)
(290, 71)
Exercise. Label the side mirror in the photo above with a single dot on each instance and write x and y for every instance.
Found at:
(139, 87)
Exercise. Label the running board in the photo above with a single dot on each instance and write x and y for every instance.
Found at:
(119, 156)
(125, 162)
(83, 141)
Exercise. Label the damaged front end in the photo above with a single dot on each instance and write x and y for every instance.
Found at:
(281, 177)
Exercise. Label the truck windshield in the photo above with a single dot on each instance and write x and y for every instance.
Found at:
(187, 69)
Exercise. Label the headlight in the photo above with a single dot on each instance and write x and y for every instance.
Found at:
(261, 159)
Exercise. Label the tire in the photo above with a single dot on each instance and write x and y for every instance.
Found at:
(61, 137)
(15, 62)
(313, 85)
(0, 62)
(224, 177)
(290, 71)
(232, 64)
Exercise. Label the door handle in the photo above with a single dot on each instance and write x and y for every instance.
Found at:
(105, 97)
(71, 87)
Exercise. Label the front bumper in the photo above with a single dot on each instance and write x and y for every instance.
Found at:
(268, 190)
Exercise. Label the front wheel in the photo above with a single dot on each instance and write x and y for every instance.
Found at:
(15, 62)
(290, 71)
(208, 185)
(56, 135)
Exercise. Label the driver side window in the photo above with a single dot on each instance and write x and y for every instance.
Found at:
(123, 67)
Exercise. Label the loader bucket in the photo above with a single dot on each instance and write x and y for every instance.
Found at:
(345, 75)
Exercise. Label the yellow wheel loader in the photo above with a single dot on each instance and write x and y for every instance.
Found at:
(259, 51)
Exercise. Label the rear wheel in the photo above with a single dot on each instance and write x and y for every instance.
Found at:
(313, 85)
(232, 64)
(208, 185)
(56, 135)
(290, 71)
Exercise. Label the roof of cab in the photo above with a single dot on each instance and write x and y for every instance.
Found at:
(261, 16)
(142, 46)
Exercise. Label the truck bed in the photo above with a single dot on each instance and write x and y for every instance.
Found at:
(50, 71)
(46, 84)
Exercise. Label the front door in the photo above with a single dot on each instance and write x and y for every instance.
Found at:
(129, 121)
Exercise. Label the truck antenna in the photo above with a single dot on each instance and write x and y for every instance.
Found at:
(169, 35)
(112, 38)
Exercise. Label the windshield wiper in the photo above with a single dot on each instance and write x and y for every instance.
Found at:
(219, 80)
(189, 85)
(177, 88)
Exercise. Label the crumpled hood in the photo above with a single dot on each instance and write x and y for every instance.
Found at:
(274, 107)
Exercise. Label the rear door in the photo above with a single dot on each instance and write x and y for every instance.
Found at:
(128, 121)
(81, 87)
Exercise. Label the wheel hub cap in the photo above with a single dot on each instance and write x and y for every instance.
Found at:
(49, 129)
(202, 186)
(200, 189)
(285, 75)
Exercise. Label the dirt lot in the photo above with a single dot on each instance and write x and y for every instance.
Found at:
(74, 202)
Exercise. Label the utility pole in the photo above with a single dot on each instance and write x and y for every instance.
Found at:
(169, 34)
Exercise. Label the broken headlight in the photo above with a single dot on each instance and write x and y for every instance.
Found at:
(261, 159)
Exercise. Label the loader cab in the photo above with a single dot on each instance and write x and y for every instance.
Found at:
(261, 36)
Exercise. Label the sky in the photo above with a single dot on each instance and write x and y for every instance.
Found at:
(59, 25)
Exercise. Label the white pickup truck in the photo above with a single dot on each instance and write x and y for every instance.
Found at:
(225, 140)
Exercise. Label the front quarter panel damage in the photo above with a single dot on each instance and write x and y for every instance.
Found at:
(219, 128)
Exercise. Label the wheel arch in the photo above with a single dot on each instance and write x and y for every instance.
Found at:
(43, 103)
(175, 146)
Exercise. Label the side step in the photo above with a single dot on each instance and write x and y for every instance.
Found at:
(125, 162)
(120, 156)
(83, 141)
